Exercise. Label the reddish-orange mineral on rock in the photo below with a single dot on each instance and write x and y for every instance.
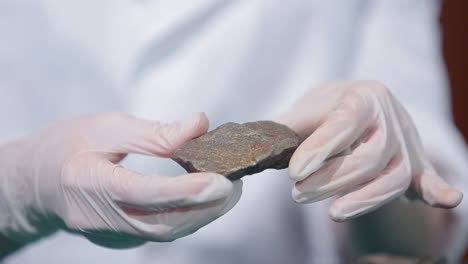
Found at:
(235, 150)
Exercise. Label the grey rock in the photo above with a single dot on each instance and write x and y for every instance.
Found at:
(235, 150)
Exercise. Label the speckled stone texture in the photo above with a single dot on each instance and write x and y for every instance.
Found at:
(235, 150)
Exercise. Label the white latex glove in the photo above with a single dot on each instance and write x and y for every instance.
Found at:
(359, 142)
(66, 176)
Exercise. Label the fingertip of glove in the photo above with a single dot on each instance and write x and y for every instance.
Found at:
(237, 184)
(304, 164)
(456, 198)
(298, 196)
(337, 212)
(197, 122)
(450, 198)
(337, 217)
(441, 194)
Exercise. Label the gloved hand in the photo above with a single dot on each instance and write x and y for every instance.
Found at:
(359, 142)
(67, 176)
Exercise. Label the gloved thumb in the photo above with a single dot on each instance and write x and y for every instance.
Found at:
(436, 192)
(156, 138)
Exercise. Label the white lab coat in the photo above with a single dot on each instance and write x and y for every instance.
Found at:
(236, 61)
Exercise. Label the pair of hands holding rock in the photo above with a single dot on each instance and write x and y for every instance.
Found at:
(352, 139)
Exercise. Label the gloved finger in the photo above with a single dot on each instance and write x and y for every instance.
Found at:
(137, 191)
(339, 131)
(392, 182)
(168, 225)
(346, 172)
(434, 191)
(160, 139)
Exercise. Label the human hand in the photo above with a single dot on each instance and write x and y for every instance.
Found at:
(67, 175)
(358, 141)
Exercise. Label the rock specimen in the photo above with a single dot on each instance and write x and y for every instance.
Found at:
(235, 150)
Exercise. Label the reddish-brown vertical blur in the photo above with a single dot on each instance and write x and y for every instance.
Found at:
(454, 20)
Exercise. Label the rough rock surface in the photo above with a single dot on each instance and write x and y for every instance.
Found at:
(235, 150)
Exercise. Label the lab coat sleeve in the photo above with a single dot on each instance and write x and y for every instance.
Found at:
(399, 45)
